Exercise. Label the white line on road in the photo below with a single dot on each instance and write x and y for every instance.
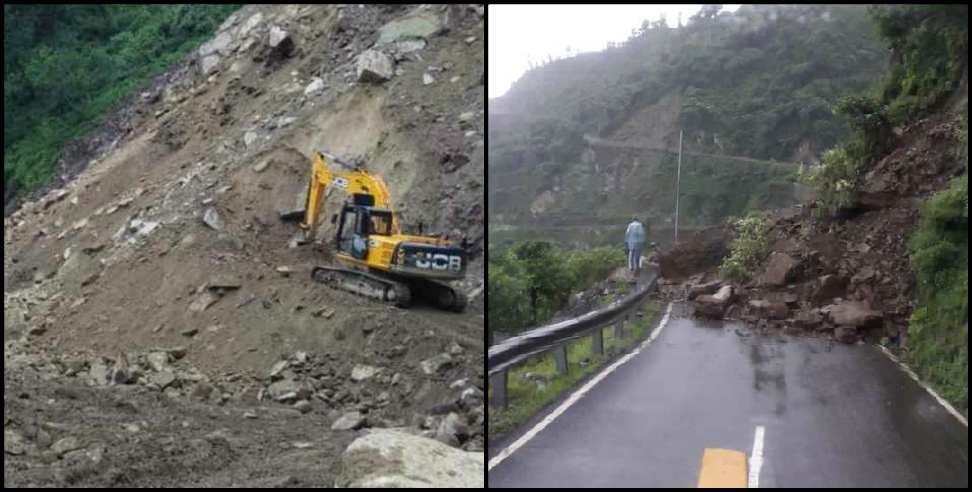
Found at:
(930, 391)
(525, 438)
(756, 460)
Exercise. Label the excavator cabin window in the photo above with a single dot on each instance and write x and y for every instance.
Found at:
(380, 223)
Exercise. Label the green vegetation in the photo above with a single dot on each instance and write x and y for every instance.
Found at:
(930, 44)
(529, 282)
(938, 344)
(747, 249)
(758, 82)
(67, 66)
(527, 397)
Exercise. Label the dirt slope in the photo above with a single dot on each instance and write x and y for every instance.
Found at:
(119, 263)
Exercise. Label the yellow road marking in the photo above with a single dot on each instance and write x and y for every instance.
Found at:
(723, 468)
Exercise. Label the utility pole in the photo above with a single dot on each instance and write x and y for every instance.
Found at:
(678, 179)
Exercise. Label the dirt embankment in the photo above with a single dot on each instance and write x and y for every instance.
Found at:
(159, 290)
(847, 277)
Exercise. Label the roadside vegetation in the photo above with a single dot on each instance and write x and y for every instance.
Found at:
(748, 248)
(67, 66)
(535, 384)
(939, 333)
(532, 280)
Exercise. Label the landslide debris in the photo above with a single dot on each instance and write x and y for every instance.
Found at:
(159, 319)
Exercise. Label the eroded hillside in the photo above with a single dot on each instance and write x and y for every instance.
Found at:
(157, 298)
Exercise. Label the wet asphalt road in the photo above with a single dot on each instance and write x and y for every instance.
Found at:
(834, 416)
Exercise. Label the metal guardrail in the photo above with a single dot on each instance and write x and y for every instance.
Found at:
(554, 337)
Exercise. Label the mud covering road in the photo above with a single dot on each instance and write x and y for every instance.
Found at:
(834, 416)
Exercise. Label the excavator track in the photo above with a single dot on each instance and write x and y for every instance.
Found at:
(365, 284)
(392, 291)
(442, 295)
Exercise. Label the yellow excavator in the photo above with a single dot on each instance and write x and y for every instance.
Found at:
(377, 260)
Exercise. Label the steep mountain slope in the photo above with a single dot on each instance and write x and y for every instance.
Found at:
(164, 266)
(751, 90)
(882, 256)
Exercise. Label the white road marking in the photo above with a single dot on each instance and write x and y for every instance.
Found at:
(930, 391)
(756, 460)
(525, 438)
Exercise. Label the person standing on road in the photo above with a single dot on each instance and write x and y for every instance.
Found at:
(634, 241)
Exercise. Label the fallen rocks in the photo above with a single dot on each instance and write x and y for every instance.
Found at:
(13, 443)
(392, 458)
(314, 88)
(212, 219)
(163, 379)
(362, 372)
(829, 287)
(452, 430)
(66, 445)
(714, 306)
(349, 421)
(224, 282)
(854, 314)
(436, 364)
(846, 334)
(704, 289)
(769, 309)
(374, 67)
(779, 270)
(281, 44)
(417, 26)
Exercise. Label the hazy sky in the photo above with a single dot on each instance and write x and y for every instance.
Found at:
(520, 32)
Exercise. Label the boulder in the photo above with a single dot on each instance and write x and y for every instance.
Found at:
(349, 421)
(158, 361)
(417, 26)
(393, 458)
(779, 270)
(208, 64)
(211, 218)
(809, 320)
(314, 88)
(854, 314)
(452, 430)
(281, 43)
(714, 306)
(436, 364)
(846, 334)
(375, 66)
(769, 309)
(828, 287)
(362, 372)
(707, 288)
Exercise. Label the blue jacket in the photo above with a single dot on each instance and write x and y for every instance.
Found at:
(634, 236)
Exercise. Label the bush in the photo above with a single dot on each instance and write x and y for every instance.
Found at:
(938, 342)
(836, 179)
(590, 267)
(532, 280)
(748, 249)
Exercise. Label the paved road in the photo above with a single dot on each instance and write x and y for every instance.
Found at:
(834, 415)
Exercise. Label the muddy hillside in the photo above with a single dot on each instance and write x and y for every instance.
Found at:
(846, 277)
(160, 324)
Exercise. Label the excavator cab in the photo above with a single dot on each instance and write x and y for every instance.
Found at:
(357, 222)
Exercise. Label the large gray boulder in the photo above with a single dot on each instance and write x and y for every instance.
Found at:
(779, 271)
(392, 458)
(375, 66)
(416, 26)
(714, 306)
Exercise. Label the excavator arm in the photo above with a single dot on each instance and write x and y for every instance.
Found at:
(346, 177)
